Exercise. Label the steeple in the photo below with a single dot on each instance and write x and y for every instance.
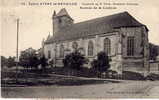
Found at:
(54, 14)
(60, 20)
(63, 12)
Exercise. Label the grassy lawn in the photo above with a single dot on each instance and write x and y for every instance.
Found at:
(52, 77)
(54, 80)
(46, 78)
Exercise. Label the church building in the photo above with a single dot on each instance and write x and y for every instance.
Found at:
(120, 35)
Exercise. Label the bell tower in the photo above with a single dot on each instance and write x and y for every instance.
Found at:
(61, 20)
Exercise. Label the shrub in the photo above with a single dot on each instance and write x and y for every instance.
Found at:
(74, 60)
(29, 58)
(101, 64)
(43, 62)
(132, 76)
(111, 74)
(10, 62)
(152, 77)
(126, 75)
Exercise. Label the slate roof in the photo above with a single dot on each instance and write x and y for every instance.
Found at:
(63, 12)
(95, 26)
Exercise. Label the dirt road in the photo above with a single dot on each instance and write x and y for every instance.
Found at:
(125, 89)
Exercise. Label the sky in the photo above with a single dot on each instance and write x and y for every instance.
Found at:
(36, 22)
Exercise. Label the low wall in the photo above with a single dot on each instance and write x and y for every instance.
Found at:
(154, 67)
(134, 66)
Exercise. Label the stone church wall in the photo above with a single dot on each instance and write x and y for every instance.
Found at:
(48, 47)
(98, 42)
(120, 61)
(136, 32)
(136, 62)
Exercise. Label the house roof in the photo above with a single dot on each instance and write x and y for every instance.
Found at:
(95, 26)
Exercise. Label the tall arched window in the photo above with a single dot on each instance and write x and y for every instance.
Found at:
(90, 48)
(107, 46)
(49, 54)
(130, 46)
(61, 51)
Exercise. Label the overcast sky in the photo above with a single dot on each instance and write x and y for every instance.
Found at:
(36, 22)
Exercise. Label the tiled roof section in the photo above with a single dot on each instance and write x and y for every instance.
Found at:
(95, 26)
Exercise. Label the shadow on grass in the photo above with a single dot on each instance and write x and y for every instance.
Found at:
(61, 82)
(41, 79)
(84, 82)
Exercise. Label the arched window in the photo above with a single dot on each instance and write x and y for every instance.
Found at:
(74, 45)
(130, 46)
(49, 54)
(107, 46)
(61, 51)
(90, 48)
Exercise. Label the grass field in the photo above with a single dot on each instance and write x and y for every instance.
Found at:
(52, 76)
